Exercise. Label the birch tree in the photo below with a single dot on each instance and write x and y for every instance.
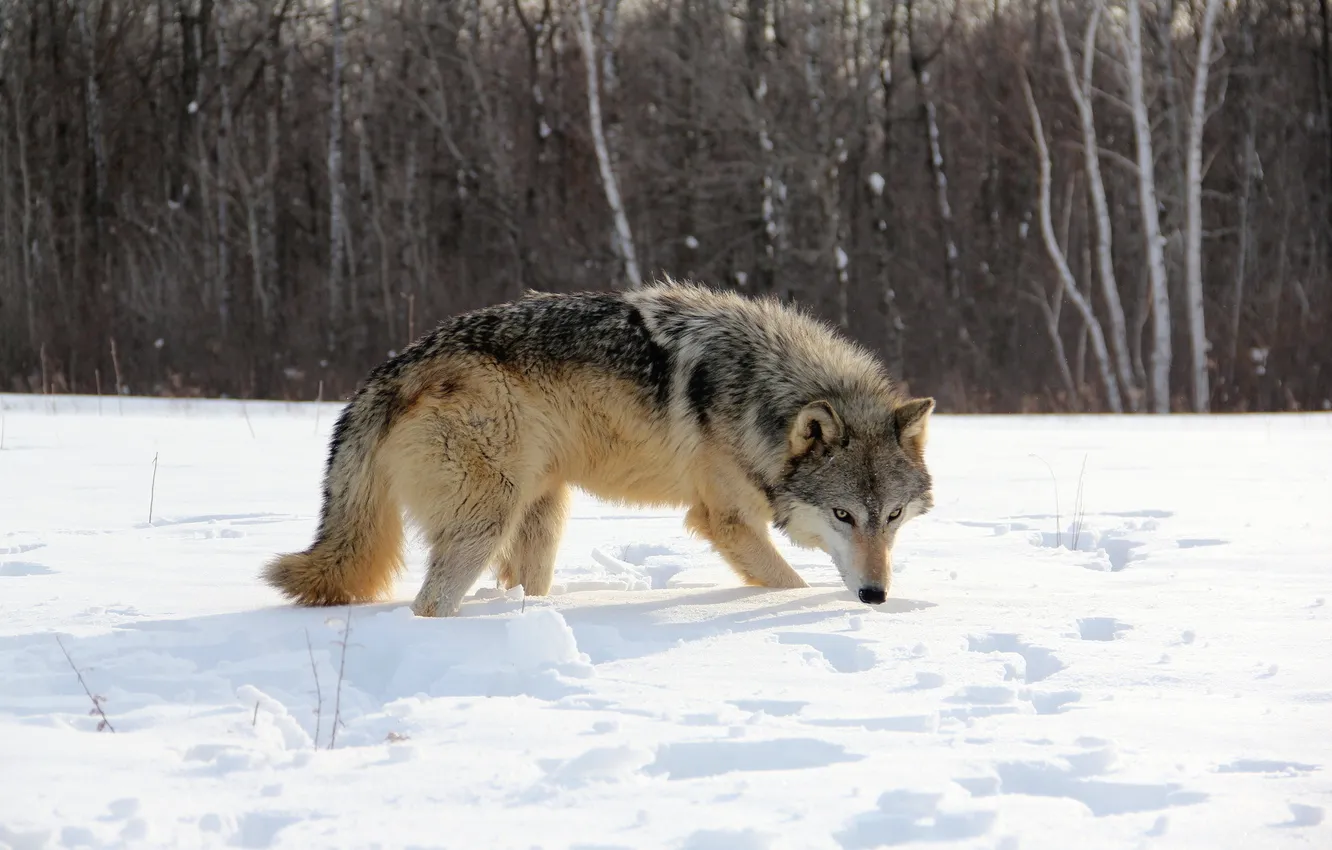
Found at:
(1151, 222)
(1070, 285)
(623, 238)
(1081, 90)
(336, 185)
(96, 139)
(760, 36)
(1249, 170)
(223, 285)
(1198, 346)
(929, 118)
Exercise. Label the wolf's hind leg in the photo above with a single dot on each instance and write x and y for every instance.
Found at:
(747, 549)
(467, 511)
(458, 556)
(530, 560)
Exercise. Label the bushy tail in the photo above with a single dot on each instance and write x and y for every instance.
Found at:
(358, 550)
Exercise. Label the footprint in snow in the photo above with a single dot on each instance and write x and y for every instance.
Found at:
(699, 759)
(1302, 814)
(909, 815)
(24, 568)
(1102, 628)
(841, 653)
(1273, 766)
(1039, 663)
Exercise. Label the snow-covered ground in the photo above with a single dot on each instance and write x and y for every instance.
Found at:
(1165, 683)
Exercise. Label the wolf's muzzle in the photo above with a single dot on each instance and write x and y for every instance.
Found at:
(873, 595)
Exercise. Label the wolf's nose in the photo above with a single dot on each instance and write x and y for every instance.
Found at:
(872, 595)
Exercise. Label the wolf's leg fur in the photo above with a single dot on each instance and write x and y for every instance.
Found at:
(530, 559)
(458, 556)
(453, 465)
(747, 549)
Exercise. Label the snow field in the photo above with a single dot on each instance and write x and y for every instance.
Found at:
(1164, 681)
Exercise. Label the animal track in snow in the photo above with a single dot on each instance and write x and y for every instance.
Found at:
(774, 707)
(1074, 780)
(1101, 628)
(726, 839)
(1286, 768)
(698, 759)
(1302, 814)
(20, 548)
(982, 701)
(24, 568)
(655, 564)
(905, 816)
(1039, 662)
(905, 723)
(844, 654)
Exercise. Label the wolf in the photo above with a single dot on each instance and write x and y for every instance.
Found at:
(743, 412)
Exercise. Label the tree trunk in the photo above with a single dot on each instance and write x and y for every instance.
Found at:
(1084, 308)
(267, 281)
(1081, 91)
(1248, 161)
(883, 195)
(929, 120)
(96, 140)
(623, 237)
(336, 186)
(223, 285)
(1198, 345)
(1151, 222)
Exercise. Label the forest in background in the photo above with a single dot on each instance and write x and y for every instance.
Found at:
(1033, 205)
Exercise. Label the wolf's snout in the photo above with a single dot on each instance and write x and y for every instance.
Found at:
(873, 595)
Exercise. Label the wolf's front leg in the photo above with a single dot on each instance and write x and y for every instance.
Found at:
(746, 548)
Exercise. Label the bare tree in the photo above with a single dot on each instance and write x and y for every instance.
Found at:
(760, 35)
(1198, 345)
(1248, 175)
(1081, 90)
(1083, 306)
(921, 59)
(96, 139)
(223, 284)
(623, 237)
(1151, 222)
(337, 190)
(721, 141)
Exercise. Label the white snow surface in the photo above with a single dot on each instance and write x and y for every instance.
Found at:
(1167, 682)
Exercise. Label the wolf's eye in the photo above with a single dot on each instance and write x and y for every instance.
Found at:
(844, 516)
(895, 514)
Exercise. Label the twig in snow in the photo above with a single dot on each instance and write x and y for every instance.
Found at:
(254, 721)
(1079, 509)
(337, 696)
(319, 400)
(245, 411)
(115, 362)
(319, 692)
(152, 494)
(105, 722)
(1058, 535)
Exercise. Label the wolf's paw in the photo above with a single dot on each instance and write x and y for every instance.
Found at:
(427, 608)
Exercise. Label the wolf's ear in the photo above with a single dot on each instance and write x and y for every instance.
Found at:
(912, 421)
(816, 424)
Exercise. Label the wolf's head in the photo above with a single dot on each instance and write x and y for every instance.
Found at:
(848, 488)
